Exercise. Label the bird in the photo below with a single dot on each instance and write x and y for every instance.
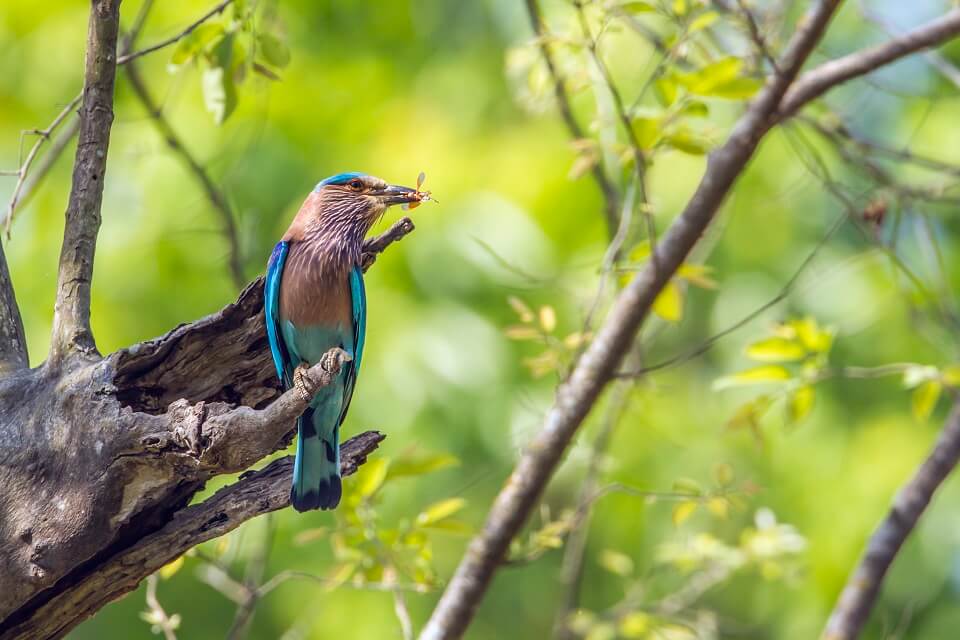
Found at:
(314, 301)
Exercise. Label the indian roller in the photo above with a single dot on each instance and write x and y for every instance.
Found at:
(314, 301)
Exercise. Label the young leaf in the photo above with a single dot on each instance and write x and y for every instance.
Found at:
(219, 93)
(687, 141)
(419, 466)
(637, 7)
(682, 512)
(776, 350)
(757, 375)
(800, 403)
(371, 476)
(669, 304)
(168, 570)
(273, 50)
(548, 318)
(635, 624)
(440, 510)
(617, 563)
(925, 399)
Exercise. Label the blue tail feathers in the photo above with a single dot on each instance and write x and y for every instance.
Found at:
(316, 469)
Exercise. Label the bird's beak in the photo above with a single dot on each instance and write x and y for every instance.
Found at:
(395, 194)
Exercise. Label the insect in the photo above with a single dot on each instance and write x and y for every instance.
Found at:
(422, 196)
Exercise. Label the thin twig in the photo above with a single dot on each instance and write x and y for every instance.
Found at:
(174, 39)
(863, 586)
(214, 195)
(159, 617)
(611, 197)
(403, 614)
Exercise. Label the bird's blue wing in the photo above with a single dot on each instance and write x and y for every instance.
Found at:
(358, 299)
(271, 312)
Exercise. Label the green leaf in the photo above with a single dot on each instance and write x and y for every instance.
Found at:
(669, 304)
(757, 375)
(616, 562)
(688, 486)
(697, 274)
(665, 90)
(457, 527)
(800, 403)
(951, 375)
(188, 47)
(687, 141)
(422, 465)
(637, 7)
(704, 80)
(635, 624)
(168, 570)
(702, 21)
(647, 130)
(440, 510)
(925, 399)
(548, 318)
(274, 51)
(371, 476)
(219, 94)
(736, 89)
(723, 474)
(682, 512)
(812, 335)
(776, 350)
(339, 575)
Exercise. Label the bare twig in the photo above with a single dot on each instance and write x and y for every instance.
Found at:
(611, 197)
(174, 39)
(403, 614)
(376, 245)
(71, 316)
(42, 136)
(158, 616)
(853, 607)
(216, 197)
(576, 396)
(818, 81)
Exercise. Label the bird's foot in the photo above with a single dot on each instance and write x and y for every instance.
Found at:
(303, 383)
(333, 359)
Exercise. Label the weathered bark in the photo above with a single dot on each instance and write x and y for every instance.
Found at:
(99, 462)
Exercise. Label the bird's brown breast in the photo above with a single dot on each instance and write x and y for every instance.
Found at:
(314, 291)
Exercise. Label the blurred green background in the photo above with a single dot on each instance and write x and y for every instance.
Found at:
(394, 88)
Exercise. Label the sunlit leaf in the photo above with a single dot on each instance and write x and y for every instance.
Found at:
(702, 21)
(456, 527)
(339, 575)
(757, 375)
(311, 535)
(736, 89)
(548, 318)
(800, 402)
(951, 375)
(168, 570)
(273, 50)
(665, 90)
(688, 486)
(370, 477)
(407, 466)
(219, 93)
(521, 309)
(812, 335)
(647, 131)
(776, 350)
(616, 562)
(602, 631)
(925, 399)
(522, 332)
(723, 474)
(697, 274)
(669, 304)
(680, 7)
(682, 511)
(440, 510)
(635, 624)
(637, 7)
(718, 506)
(704, 80)
(687, 141)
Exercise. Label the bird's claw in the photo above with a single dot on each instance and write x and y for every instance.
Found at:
(303, 383)
(333, 359)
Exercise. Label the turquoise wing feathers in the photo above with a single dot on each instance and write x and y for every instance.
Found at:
(358, 296)
(271, 312)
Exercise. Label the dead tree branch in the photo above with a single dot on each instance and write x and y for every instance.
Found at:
(863, 586)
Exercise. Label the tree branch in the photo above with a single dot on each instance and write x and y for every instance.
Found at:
(576, 396)
(13, 341)
(254, 494)
(815, 83)
(213, 193)
(71, 319)
(863, 586)
(174, 39)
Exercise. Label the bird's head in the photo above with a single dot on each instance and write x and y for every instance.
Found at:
(359, 199)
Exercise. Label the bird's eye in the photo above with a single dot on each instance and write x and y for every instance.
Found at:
(356, 185)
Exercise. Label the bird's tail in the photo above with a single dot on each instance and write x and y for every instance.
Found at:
(316, 469)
